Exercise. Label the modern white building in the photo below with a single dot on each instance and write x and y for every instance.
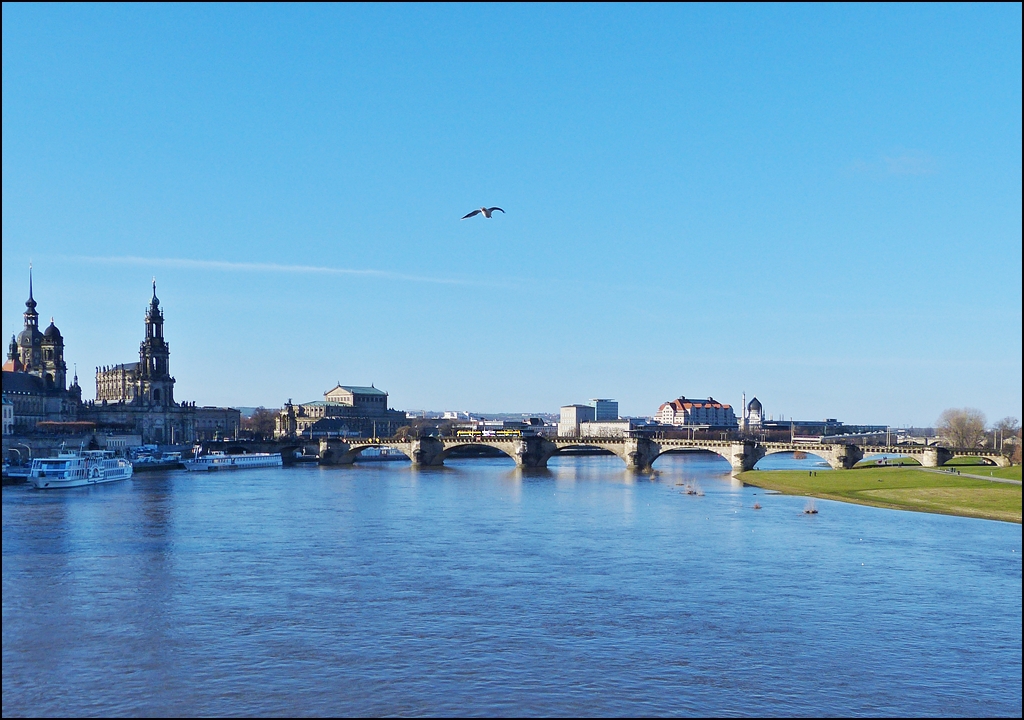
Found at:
(572, 416)
(684, 411)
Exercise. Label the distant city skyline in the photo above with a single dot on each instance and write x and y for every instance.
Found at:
(816, 205)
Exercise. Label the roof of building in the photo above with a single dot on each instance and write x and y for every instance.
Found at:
(128, 367)
(13, 363)
(683, 403)
(357, 390)
(23, 382)
(754, 405)
(52, 333)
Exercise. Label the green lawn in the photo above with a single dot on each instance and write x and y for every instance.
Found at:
(902, 489)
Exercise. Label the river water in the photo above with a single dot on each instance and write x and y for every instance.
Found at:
(476, 589)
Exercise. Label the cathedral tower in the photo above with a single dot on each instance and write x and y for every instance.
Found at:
(30, 340)
(156, 386)
(54, 369)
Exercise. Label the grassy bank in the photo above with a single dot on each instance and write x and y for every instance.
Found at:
(902, 489)
(1007, 473)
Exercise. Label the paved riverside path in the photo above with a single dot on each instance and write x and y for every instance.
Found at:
(990, 478)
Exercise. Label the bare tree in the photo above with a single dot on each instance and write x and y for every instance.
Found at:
(1006, 438)
(962, 427)
(260, 423)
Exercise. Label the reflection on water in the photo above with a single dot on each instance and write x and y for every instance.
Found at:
(478, 588)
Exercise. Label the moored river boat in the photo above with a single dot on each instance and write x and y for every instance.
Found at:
(78, 468)
(218, 460)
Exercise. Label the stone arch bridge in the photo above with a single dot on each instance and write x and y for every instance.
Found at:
(639, 453)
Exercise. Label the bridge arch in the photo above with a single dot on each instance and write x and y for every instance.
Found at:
(821, 453)
(718, 452)
(885, 454)
(987, 460)
(355, 449)
(568, 450)
(456, 447)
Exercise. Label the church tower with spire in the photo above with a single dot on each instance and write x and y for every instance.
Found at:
(30, 340)
(156, 386)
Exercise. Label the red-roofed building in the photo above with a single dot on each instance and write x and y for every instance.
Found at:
(684, 411)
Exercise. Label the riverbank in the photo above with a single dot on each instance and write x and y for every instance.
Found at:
(903, 489)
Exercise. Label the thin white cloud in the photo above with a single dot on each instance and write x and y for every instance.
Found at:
(900, 162)
(228, 266)
(910, 162)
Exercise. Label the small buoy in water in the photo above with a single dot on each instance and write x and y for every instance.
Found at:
(757, 506)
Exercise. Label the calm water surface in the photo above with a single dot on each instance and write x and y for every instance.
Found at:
(479, 590)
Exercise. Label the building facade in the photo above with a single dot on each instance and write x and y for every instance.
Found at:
(571, 417)
(685, 412)
(753, 415)
(345, 411)
(608, 428)
(8, 416)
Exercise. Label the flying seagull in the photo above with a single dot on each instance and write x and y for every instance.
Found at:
(485, 210)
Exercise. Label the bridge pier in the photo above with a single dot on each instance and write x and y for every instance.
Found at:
(533, 451)
(743, 456)
(844, 457)
(935, 456)
(640, 453)
(335, 452)
(426, 451)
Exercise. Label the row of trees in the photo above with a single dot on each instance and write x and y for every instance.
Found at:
(260, 425)
(966, 428)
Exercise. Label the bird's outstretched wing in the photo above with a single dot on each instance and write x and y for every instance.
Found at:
(469, 215)
(494, 208)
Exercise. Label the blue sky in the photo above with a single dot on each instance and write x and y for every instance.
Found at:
(817, 205)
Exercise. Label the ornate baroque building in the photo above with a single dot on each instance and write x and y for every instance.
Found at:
(139, 396)
(136, 398)
(346, 410)
(147, 381)
(35, 375)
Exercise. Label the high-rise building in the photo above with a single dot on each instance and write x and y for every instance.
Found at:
(605, 409)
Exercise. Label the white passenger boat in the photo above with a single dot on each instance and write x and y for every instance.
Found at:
(222, 461)
(77, 468)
